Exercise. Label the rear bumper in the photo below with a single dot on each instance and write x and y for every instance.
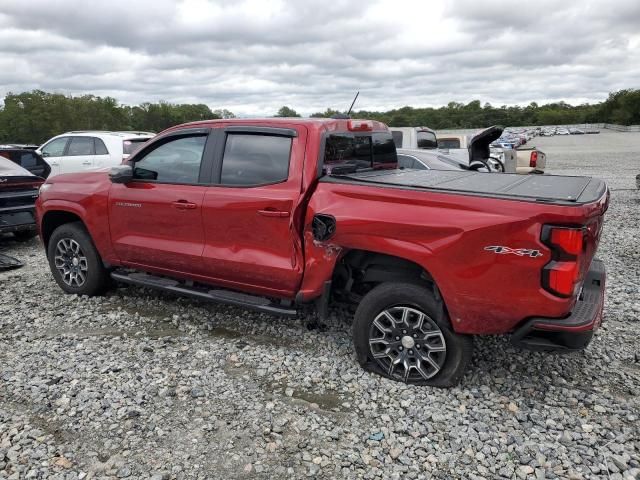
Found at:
(18, 219)
(573, 332)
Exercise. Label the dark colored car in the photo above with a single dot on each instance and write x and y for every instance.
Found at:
(427, 160)
(27, 158)
(18, 193)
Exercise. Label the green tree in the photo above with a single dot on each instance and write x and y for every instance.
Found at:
(286, 112)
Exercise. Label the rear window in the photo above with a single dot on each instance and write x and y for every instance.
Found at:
(100, 147)
(376, 150)
(132, 145)
(427, 139)
(10, 169)
(449, 143)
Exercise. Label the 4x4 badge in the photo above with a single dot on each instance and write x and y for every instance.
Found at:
(521, 252)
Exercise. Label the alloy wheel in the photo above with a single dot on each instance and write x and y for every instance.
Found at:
(407, 344)
(71, 262)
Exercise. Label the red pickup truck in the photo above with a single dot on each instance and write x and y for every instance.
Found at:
(274, 214)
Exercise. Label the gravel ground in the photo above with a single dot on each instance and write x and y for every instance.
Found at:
(141, 385)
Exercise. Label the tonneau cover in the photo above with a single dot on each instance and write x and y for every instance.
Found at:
(541, 188)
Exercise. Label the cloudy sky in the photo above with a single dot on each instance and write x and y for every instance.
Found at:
(254, 56)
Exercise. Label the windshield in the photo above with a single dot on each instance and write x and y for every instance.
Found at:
(376, 150)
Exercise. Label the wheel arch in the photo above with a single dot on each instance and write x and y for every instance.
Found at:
(53, 219)
(372, 268)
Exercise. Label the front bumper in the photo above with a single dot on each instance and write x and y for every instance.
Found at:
(573, 332)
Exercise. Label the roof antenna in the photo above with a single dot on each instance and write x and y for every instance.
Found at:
(354, 102)
(346, 116)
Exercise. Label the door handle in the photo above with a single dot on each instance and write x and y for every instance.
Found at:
(184, 205)
(86, 163)
(273, 213)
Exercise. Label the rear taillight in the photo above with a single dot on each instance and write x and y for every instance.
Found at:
(533, 159)
(563, 274)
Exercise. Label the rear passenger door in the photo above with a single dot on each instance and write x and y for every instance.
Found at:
(251, 240)
(78, 156)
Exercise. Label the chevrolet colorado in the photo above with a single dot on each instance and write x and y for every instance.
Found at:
(274, 214)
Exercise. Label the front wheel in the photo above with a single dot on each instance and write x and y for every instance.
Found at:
(75, 263)
(401, 332)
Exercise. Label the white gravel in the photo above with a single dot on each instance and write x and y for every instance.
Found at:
(142, 385)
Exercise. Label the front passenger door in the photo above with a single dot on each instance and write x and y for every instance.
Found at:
(52, 153)
(156, 219)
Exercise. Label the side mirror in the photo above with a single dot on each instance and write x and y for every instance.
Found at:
(45, 154)
(121, 174)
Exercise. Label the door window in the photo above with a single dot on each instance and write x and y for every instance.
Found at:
(55, 148)
(176, 161)
(397, 138)
(100, 147)
(80, 146)
(251, 159)
(427, 139)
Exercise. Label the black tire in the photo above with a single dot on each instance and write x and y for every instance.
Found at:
(24, 235)
(478, 165)
(89, 268)
(434, 331)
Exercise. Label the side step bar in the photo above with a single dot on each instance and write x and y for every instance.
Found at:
(227, 297)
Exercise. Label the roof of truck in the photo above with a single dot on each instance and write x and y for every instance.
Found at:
(325, 123)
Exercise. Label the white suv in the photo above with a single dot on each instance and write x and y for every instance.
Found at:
(87, 150)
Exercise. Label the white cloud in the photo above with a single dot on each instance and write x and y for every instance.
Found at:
(254, 56)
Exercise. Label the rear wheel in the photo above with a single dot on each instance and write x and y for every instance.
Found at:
(75, 263)
(401, 332)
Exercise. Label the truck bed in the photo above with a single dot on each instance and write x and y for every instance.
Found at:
(554, 189)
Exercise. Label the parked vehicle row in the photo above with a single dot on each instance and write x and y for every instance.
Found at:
(278, 214)
(559, 130)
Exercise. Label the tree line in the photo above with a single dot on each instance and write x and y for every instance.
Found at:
(621, 107)
(33, 117)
